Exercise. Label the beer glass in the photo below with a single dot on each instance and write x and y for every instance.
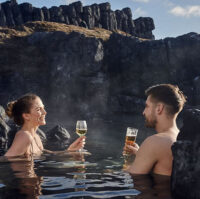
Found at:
(81, 129)
(131, 135)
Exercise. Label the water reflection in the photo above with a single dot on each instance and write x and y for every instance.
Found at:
(28, 179)
(78, 175)
(21, 178)
(152, 186)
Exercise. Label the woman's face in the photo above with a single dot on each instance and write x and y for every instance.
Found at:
(37, 113)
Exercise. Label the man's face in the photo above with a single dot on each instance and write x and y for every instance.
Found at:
(150, 113)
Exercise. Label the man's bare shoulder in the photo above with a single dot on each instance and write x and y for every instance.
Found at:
(158, 140)
(151, 139)
(150, 143)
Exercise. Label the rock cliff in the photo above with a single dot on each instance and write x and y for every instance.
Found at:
(93, 73)
(96, 15)
(84, 73)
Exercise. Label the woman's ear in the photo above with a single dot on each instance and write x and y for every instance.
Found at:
(160, 108)
(26, 116)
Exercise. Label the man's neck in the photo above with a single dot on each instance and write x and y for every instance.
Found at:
(167, 125)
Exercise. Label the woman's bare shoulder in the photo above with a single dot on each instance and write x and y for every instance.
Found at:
(24, 135)
(20, 144)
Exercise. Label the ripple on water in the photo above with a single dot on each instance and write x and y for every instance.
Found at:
(95, 194)
(58, 183)
(69, 164)
(89, 184)
(2, 185)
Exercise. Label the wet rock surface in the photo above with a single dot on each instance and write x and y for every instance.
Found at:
(58, 137)
(186, 152)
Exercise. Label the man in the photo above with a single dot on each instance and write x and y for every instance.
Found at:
(163, 104)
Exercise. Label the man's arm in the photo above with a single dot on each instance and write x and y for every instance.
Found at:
(146, 157)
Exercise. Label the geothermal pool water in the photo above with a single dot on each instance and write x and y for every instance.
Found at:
(98, 175)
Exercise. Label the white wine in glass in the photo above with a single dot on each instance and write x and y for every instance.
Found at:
(81, 129)
(81, 132)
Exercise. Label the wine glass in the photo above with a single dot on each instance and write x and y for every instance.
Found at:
(81, 129)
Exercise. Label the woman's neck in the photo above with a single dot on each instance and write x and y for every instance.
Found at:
(30, 128)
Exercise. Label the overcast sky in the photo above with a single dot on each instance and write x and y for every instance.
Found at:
(171, 17)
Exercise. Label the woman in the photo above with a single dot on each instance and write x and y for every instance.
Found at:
(29, 113)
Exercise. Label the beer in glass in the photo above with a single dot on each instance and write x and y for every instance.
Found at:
(131, 135)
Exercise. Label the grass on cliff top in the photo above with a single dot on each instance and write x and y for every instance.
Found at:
(44, 26)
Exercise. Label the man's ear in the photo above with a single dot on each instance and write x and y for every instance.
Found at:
(160, 108)
(26, 116)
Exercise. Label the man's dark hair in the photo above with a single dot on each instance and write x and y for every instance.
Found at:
(168, 94)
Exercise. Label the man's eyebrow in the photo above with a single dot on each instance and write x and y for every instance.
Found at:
(39, 106)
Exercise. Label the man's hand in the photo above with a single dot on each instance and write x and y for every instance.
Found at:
(77, 144)
(131, 149)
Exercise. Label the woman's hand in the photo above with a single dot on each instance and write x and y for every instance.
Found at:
(131, 149)
(77, 144)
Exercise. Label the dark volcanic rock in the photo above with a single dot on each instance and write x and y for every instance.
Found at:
(17, 15)
(100, 16)
(78, 7)
(137, 65)
(46, 14)
(7, 7)
(144, 27)
(104, 7)
(108, 18)
(58, 137)
(2, 17)
(3, 115)
(129, 25)
(38, 14)
(56, 14)
(27, 11)
(96, 14)
(191, 118)
(121, 18)
(71, 11)
(186, 170)
(88, 17)
(186, 152)
(4, 129)
(79, 75)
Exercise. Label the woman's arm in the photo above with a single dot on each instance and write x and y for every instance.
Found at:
(75, 146)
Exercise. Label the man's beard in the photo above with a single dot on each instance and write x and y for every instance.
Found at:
(150, 123)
